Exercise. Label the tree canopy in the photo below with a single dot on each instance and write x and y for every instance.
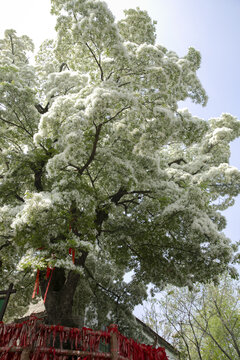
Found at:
(98, 160)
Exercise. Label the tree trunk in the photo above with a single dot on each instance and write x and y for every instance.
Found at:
(60, 294)
(59, 299)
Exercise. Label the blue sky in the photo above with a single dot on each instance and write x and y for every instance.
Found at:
(211, 26)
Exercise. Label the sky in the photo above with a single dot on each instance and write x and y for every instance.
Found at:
(211, 26)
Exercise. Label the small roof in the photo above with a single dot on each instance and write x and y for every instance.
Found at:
(161, 340)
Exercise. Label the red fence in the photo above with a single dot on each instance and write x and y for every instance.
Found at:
(33, 340)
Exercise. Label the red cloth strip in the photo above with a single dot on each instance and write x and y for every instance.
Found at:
(45, 295)
(72, 251)
(36, 286)
(48, 272)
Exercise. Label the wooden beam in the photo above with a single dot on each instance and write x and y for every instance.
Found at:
(46, 350)
(25, 354)
(114, 343)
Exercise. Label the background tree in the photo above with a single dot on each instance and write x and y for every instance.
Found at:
(203, 323)
(97, 158)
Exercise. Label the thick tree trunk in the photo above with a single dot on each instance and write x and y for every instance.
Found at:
(59, 300)
(60, 294)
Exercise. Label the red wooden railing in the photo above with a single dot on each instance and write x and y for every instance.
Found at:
(33, 340)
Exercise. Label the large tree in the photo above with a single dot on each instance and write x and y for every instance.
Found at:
(96, 157)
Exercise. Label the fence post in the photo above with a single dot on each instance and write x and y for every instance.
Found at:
(113, 342)
(25, 354)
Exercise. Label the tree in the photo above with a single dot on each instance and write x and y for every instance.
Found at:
(97, 160)
(203, 323)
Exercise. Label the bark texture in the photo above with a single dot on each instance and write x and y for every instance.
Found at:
(59, 300)
(60, 295)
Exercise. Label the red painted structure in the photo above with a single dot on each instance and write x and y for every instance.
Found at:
(33, 340)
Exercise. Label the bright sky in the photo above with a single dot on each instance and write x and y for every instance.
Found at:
(211, 26)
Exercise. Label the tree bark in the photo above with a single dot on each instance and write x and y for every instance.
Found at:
(60, 288)
(60, 294)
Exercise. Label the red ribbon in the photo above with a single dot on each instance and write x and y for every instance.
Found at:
(50, 278)
(72, 251)
(48, 272)
(84, 339)
(36, 286)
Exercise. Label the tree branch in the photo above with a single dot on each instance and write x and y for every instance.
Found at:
(19, 198)
(100, 285)
(93, 152)
(121, 192)
(91, 179)
(20, 121)
(197, 344)
(62, 66)
(38, 173)
(210, 335)
(227, 328)
(96, 60)
(18, 126)
(118, 113)
(96, 139)
(40, 109)
(7, 243)
(178, 161)
(126, 83)
(116, 197)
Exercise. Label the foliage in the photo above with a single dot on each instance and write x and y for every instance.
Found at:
(97, 157)
(203, 323)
